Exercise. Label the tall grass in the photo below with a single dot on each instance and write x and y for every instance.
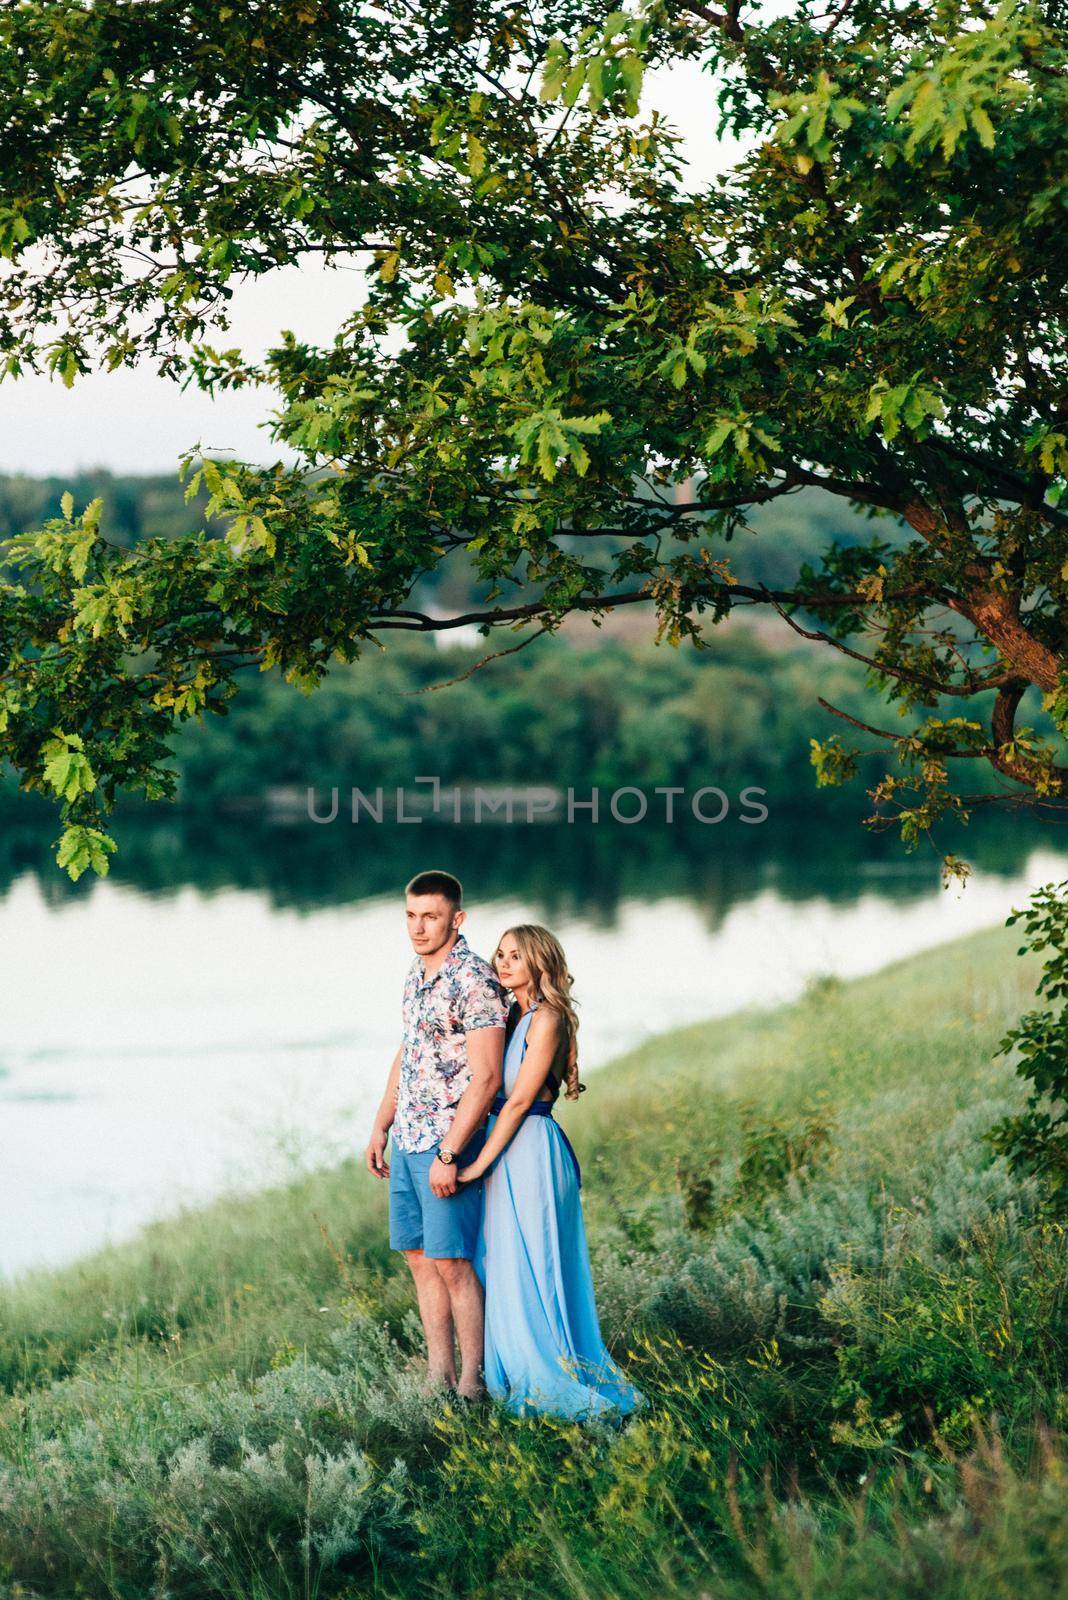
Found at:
(847, 1316)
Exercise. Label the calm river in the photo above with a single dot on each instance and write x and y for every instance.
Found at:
(222, 1010)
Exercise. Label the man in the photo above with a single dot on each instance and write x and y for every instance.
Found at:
(441, 1085)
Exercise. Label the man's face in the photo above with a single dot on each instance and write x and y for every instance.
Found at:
(430, 922)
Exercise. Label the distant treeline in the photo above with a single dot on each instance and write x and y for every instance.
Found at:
(786, 534)
(614, 714)
(562, 713)
(134, 507)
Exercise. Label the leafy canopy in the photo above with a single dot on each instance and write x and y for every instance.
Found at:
(558, 328)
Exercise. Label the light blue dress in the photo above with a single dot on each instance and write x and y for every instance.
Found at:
(544, 1351)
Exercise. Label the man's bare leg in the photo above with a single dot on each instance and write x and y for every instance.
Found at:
(462, 1285)
(435, 1310)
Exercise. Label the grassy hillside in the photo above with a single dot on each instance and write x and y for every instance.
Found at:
(846, 1315)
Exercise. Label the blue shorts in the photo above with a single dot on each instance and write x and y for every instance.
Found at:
(421, 1220)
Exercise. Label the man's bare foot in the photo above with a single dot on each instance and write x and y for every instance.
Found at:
(436, 1383)
(471, 1394)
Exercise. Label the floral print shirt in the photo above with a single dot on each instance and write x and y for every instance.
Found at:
(465, 993)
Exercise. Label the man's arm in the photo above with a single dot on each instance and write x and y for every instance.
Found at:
(376, 1147)
(543, 1040)
(485, 1055)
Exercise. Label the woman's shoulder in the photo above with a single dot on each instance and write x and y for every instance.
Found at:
(545, 1019)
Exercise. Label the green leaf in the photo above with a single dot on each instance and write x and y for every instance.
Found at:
(573, 84)
(595, 81)
(719, 435)
(476, 156)
(66, 767)
(81, 847)
(632, 71)
(557, 66)
(983, 126)
(81, 550)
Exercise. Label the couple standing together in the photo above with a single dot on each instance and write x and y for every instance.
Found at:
(483, 1183)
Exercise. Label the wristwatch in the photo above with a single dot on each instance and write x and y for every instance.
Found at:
(445, 1156)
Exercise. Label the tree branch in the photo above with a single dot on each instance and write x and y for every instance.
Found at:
(903, 675)
(1002, 727)
(865, 727)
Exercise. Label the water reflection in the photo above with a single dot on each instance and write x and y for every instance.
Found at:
(577, 869)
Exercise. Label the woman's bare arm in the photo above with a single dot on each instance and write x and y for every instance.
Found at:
(543, 1039)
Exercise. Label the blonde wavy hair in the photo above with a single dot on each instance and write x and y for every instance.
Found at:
(544, 958)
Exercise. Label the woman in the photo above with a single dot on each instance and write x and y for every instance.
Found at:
(544, 1350)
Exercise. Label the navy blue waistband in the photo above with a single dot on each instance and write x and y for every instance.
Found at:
(541, 1108)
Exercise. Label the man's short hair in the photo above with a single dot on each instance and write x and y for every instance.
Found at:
(435, 882)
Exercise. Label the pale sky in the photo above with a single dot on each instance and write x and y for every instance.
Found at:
(133, 421)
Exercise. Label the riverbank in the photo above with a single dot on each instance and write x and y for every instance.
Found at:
(843, 1310)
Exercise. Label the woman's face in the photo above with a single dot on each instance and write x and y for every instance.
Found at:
(510, 966)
